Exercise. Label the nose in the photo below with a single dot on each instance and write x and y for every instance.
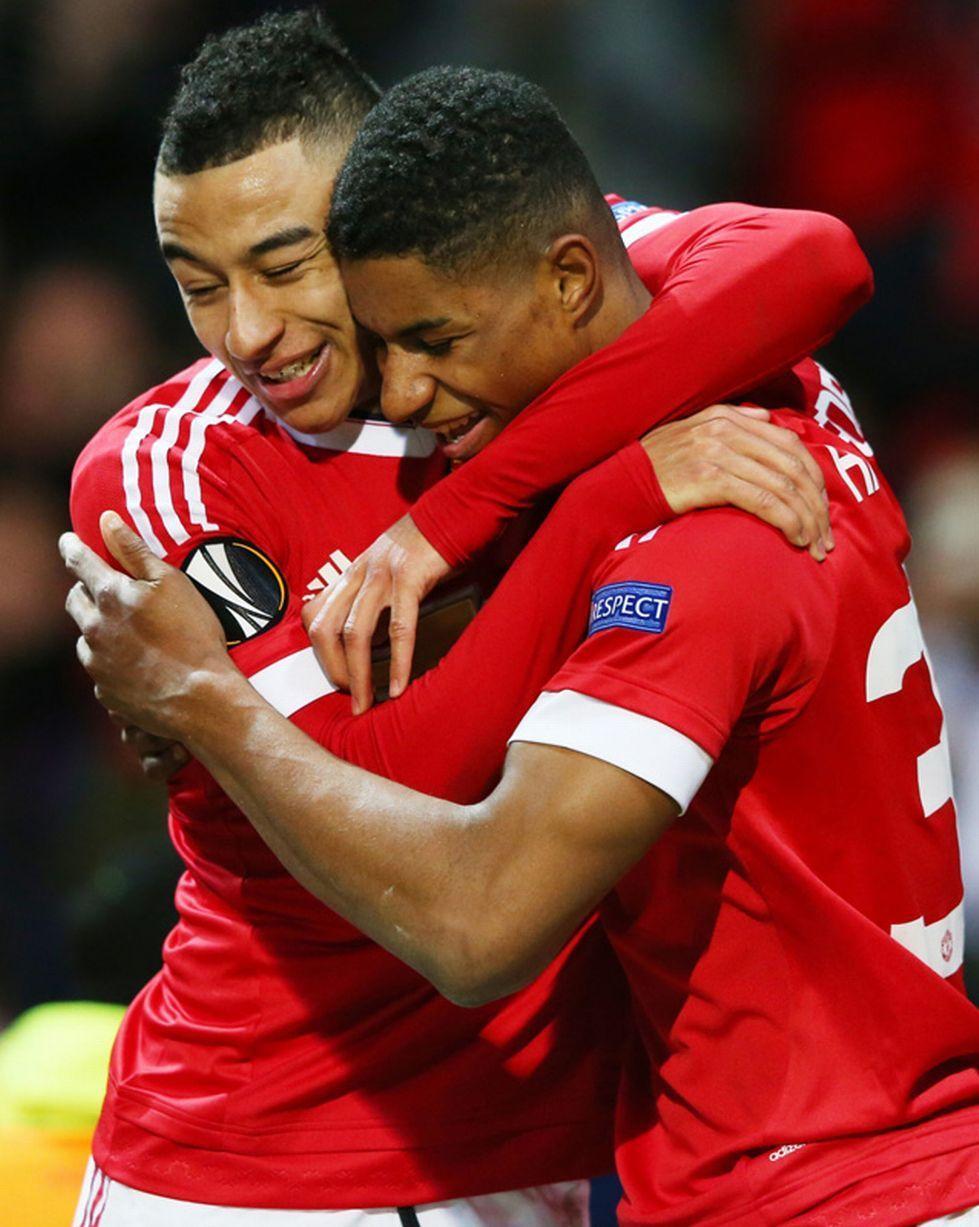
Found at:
(253, 329)
(407, 390)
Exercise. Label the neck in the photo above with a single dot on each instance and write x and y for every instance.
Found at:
(624, 299)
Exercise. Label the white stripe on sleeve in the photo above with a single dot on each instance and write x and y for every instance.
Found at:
(158, 452)
(293, 682)
(130, 477)
(190, 460)
(647, 225)
(645, 747)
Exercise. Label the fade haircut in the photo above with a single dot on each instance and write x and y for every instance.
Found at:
(462, 168)
(285, 75)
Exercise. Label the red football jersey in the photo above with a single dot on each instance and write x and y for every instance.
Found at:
(310, 1068)
(794, 943)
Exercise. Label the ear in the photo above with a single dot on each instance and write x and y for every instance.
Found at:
(576, 276)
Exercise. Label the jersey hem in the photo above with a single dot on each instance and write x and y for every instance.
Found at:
(810, 1200)
(381, 1176)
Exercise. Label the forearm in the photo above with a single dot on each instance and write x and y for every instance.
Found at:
(536, 617)
(742, 294)
(390, 860)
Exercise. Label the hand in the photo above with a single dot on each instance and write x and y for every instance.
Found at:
(145, 639)
(159, 757)
(397, 572)
(729, 455)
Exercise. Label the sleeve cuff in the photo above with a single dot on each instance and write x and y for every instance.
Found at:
(645, 747)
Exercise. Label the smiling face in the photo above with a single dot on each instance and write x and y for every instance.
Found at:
(245, 244)
(464, 356)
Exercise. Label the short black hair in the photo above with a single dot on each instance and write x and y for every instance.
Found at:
(285, 75)
(462, 167)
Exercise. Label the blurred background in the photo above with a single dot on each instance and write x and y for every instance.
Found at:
(869, 111)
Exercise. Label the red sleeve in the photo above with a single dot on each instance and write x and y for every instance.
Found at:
(476, 696)
(711, 618)
(740, 293)
(188, 497)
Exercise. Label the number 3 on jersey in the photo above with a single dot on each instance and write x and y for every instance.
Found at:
(895, 648)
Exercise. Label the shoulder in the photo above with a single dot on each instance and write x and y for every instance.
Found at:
(636, 220)
(205, 388)
(157, 459)
(712, 544)
(722, 571)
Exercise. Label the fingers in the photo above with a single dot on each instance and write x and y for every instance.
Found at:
(159, 757)
(790, 442)
(358, 635)
(396, 572)
(759, 501)
(161, 767)
(757, 420)
(81, 608)
(325, 618)
(714, 457)
(97, 576)
(768, 494)
(129, 550)
(143, 742)
(84, 654)
(401, 632)
(792, 475)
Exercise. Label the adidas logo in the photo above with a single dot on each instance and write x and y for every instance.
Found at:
(785, 1150)
(328, 574)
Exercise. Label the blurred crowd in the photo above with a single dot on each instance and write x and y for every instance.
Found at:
(869, 111)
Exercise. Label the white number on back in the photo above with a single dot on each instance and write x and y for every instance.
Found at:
(896, 647)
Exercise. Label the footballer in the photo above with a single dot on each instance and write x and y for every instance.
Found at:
(742, 763)
(281, 1061)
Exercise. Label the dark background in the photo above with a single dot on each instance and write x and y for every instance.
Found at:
(869, 110)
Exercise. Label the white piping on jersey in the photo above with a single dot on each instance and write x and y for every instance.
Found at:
(291, 683)
(359, 437)
(130, 477)
(160, 471)
(647, 225)
(369, 438)
(195, 446)
(162, 491)
(130, 453)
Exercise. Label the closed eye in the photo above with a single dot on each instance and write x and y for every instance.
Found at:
(284, 269)
(199, 291)
(435, 348)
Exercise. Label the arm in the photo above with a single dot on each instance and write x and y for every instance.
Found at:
(740, 293)
(479, 898)
(437, 883)
(537, 615)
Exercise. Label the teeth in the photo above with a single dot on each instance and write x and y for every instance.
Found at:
(457, 432)
(302, 366)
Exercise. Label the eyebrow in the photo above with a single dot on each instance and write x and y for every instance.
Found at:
(423, 326)
(175, 251)
(282, 238)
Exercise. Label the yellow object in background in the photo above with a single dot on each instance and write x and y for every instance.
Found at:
(53, 1065)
